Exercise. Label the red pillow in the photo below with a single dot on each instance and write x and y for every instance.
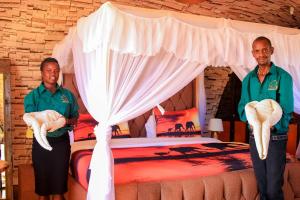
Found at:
(85, 129)
(120, 130)
(183, 123)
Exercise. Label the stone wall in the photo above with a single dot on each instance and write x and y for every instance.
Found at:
(29, 30)
(215, 82)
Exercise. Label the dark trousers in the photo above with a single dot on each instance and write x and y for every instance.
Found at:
(269, 172)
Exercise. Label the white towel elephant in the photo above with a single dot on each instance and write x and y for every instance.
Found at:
(43, 121)
(262, 116)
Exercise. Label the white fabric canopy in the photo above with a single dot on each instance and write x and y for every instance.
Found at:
(127, 60)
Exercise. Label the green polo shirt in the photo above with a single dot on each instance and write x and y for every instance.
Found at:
(62, 101)
(277, 85)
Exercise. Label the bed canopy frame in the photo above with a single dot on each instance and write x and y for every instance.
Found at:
(127, 60)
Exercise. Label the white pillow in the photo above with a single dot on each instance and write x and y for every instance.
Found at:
(151, 127)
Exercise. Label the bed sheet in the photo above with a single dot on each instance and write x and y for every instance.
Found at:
(171, 162)
(142, 142)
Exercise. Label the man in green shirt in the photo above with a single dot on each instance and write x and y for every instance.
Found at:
(51, 167)
(268, 81)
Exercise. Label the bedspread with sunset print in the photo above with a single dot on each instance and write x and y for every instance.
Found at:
(148, 164)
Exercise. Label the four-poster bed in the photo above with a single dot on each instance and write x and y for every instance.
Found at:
(127, 60)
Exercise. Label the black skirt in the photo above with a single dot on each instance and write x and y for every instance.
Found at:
(51, 167)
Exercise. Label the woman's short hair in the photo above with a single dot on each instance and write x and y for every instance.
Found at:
(48, 60)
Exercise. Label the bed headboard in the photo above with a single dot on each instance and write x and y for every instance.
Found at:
(182, 100)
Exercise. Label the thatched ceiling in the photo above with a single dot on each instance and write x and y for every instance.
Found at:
(286, 12)
(276, 12)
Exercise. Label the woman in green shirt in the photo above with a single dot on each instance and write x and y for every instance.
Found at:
(51, 167)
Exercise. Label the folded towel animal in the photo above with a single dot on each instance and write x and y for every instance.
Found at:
(43, 122)
(262, 116)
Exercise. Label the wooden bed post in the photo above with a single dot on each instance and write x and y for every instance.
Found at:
(196, 92)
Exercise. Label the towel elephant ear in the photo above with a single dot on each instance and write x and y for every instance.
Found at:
(276, 114)
(262, 116)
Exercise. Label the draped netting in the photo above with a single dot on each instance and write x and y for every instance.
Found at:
(127, 60)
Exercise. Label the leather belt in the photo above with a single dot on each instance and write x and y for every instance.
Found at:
(274, 137)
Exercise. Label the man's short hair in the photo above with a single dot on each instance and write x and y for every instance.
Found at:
(48, 60)
(263, 38)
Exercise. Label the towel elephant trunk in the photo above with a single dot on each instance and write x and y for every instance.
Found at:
(262, 116)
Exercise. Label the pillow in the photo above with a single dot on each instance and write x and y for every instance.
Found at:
(150, 127)
(120, 130)
(85, 129)
(183, 123)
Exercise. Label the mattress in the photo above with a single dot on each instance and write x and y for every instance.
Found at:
(171, 161)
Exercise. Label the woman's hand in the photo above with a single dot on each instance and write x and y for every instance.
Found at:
(71, 121)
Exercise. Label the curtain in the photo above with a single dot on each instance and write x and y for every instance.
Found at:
(206, 40)
(127, 60)
(125, 87)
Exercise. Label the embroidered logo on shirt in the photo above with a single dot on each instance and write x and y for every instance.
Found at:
(273, 85)
(64, 99)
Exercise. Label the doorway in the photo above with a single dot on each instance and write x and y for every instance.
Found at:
(6, 177)
(2, 144)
